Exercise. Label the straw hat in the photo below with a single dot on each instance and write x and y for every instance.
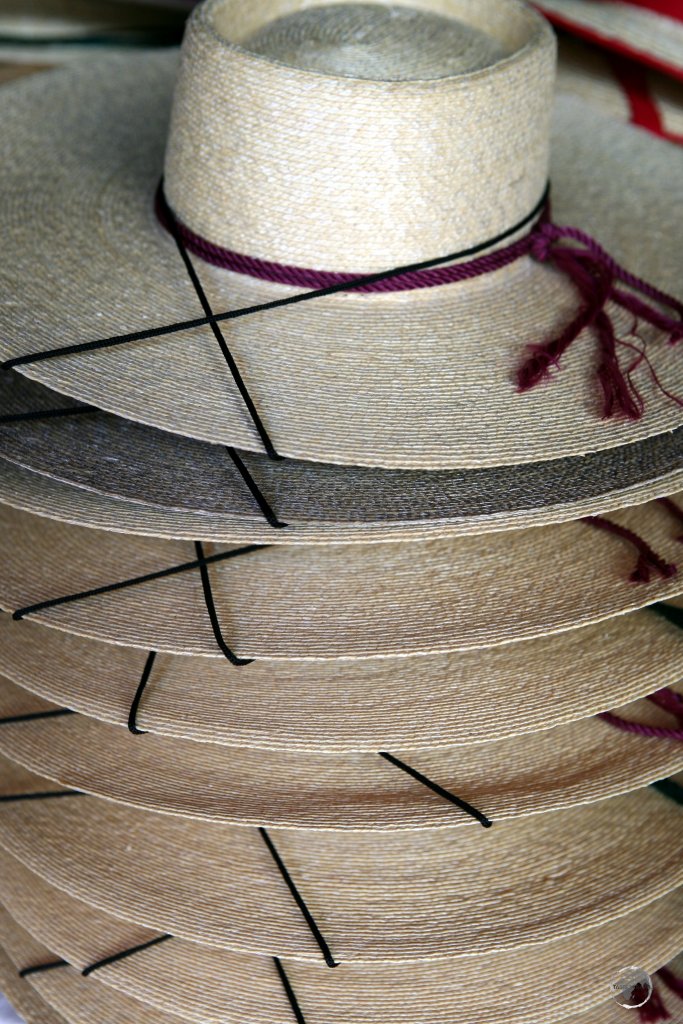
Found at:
(175, 486)
(649, 31)
(24, 999)
(393, 897)
(337, 600)
(349, 378)
(79, 1001)
(561, 767)
(208, 985)
(59, 30)
(343, 706)
(622, 88)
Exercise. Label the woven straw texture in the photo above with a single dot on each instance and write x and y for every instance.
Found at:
(342, 706)
(646, 35)
(178, 487)
(175, 975)
(562, 767)
(326, 375)
(587, 72)
(336, 601)
(261, 830)
(398, 897)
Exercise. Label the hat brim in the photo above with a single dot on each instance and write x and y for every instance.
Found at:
(394, 897)
(419, 379)
(572, 764)
(334, 601)
(173, 977)
(131, 478)
(345, 706)
(629, 30)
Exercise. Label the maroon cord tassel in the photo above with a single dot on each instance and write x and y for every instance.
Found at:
(648, 562)
(673, 983)
(595, 275)
(675, 511)
(666, 699)
(654, 1009)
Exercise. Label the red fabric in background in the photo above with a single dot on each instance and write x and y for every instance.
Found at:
(606, 42)
(669, 8)
(644, 111)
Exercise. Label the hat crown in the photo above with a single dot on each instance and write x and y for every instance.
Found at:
(357, 137)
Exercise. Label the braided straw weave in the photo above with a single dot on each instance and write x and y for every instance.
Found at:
(423, 660)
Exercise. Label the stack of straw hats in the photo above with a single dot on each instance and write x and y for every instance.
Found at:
(341, 496)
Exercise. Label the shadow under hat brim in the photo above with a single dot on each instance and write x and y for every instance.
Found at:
(334, 601)
(140, 480)
(572, 764)
(419, 379)
(347, 706)
(211, 986)
(395, 897)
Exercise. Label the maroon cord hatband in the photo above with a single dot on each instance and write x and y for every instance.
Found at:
(598, 278)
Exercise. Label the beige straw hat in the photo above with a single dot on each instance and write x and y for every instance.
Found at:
(23, 997)
(132, 478)
(70, 996)
(649, 31)
(395, 897)
(622, 88)
(562, 767)
(328, 167)
(343, 706)
(210, 985)
(336, 601)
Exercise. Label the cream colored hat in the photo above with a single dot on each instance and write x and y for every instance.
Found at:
(210, 985)
(341, 706)
(69, 996)
(649, 31)
(329, 167)
(622, 88)
(136, 479)
(430, 894)
(562, 767)
(337, 601)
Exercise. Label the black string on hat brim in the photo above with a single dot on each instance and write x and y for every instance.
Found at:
(289, 991)
(670, 789)
(201, 562)
(50, 794)
(212, 611)
(255, 491)
(669, 612)
(35, 716)
(436, 788)
(142, 685)
(116, 957)
(42, 968)
(213, 319)
(299, 900)
(48, 414)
